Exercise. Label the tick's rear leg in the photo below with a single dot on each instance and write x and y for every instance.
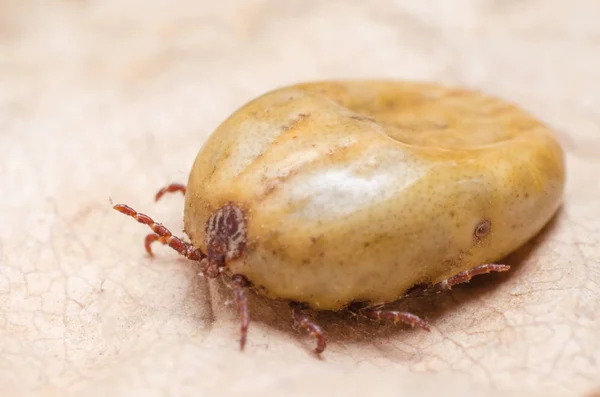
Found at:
(172, 188)
(239, 284)
(380, 313)
(162, 234)
(466, 276)
(303, 321)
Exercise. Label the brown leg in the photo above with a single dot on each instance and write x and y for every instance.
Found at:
(239, 286)
(172, 188)
(162, 234)
(152, 237)
(394, 316)
(413, 320)
(301, 320)
(466, 276)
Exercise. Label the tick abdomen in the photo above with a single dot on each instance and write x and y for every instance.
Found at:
(360, 190)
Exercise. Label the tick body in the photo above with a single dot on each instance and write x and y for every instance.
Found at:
(331, 193)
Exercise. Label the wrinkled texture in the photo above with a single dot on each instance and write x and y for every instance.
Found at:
(360, 190)
(112, 100)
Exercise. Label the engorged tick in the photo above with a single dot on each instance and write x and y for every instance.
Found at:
(344, 195)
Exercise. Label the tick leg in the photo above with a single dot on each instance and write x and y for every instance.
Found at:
(304, 322)
(172, 188)
(466, 276)
(152, 237)
(239, 286)
(378, 313)
(162, 234)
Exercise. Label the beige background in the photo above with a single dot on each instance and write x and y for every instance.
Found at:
(112, 99)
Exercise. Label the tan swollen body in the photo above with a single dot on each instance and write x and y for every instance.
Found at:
(357, 191)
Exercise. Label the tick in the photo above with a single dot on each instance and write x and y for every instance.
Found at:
(343, 195)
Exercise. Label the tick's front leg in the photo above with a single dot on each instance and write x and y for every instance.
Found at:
(172, 188)
(152, 237)
(161, 234)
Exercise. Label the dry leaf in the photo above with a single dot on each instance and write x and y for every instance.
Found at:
(112, 99)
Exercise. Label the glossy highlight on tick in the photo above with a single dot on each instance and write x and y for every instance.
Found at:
(344, 195)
